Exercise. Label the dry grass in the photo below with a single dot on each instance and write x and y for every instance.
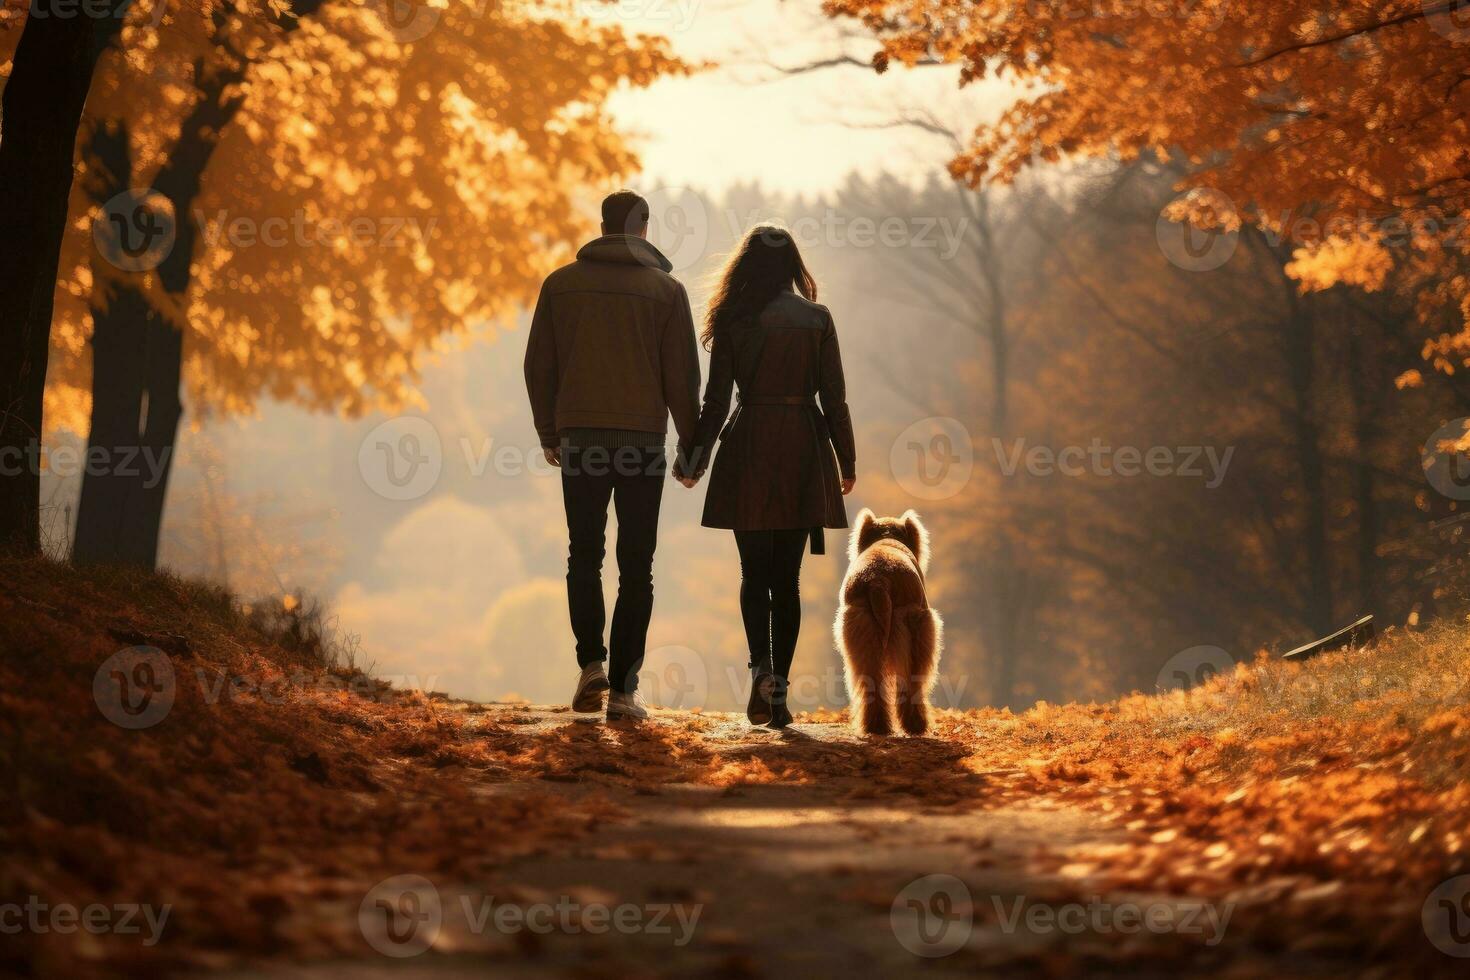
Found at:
(1326, 800)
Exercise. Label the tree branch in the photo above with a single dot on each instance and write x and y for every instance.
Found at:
(1445, 6)
(845, 61)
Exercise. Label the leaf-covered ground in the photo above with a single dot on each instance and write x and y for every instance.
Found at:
(1284, 819)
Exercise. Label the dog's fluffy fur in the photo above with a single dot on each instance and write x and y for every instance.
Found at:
(888, 634)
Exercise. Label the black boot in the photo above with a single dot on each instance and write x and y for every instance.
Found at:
(780, 714)
(762, 686)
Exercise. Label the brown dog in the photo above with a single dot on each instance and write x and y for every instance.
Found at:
(888, 635)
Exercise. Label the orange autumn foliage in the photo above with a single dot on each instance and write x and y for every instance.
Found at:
(1341, 127)
(387, 188)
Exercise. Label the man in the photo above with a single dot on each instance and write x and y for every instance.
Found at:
(611, 356)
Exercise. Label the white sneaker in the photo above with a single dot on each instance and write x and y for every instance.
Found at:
(591, 687)
(621, 705)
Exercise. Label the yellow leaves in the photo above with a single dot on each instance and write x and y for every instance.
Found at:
(1452, 723)
(1367, 126)
(439, 178)
(1204, 207)
(1456, 445)
(352, 371)
(1358, 260)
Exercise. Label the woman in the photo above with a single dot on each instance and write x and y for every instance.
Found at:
(775, 480)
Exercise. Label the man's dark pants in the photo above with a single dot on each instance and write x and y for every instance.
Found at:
(632, 478)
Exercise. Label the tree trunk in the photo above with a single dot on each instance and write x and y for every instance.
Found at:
(164, 364)
(1007, 592)
(136, 357)
(104, 512)
(42, 109)
(1298, 344)
(108, 480)
(1300, 367)
(1007, 581)
(1362, 387)
(157, 361)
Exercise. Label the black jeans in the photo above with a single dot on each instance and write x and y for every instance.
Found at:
(770, 595)
(632, 478)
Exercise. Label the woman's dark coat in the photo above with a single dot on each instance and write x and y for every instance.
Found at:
(779, 456)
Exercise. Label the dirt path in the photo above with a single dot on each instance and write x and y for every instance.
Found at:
(827, 875)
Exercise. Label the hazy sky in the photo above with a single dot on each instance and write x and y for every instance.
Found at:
(745, 121)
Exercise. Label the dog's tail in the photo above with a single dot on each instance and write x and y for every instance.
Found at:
(880, 604)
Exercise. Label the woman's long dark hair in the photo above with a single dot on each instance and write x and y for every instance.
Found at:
(766, 264)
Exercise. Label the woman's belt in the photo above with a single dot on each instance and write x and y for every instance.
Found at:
(797, 401)
(779, 400)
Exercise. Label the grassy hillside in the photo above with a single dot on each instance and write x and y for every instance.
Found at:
(1324, 802)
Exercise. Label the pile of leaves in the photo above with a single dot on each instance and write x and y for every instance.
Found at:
(275, 792)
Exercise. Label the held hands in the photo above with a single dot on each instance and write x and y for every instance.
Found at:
(688, 480)
(681, 474)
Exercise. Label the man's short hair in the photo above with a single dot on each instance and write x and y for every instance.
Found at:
(624, 213)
